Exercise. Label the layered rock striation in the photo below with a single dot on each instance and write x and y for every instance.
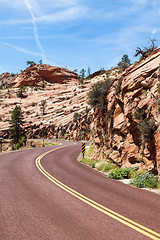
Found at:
(128, 140)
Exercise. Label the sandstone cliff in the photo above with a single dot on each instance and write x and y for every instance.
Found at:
(117, 131)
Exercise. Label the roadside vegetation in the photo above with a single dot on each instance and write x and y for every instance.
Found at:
(39, 143)
(6, 146)
(103, 165)
(138, 178)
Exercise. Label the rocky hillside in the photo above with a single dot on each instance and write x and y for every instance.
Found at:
(127, 129)
(124, 122)
(66, 112)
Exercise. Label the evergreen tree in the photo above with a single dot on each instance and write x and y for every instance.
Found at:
(125, 62)
(16, 126)
(30, 63)
(82, 73)
(43, 106)
(20, 92)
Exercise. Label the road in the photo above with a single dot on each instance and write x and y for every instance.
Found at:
(54, 197)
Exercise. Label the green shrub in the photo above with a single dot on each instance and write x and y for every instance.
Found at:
(122, 173)
(92, 164)
(24, 139)
(143, 180)
(16, 147)
(76, 116)
(88, 161)
(105, 167)
(33, 104)
(147, 128)
(98, 93)
(20, 92)
(139, 114)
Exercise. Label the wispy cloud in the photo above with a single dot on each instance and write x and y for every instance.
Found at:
(64, 15)
(19, 49)
(16, 37)
(45, 11)
(35, 29)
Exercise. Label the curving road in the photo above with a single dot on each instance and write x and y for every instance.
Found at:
(55, 198)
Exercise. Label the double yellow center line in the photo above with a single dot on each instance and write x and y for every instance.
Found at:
(126, 221)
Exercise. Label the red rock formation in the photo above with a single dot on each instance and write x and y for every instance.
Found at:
(120, 131)
(35, 74)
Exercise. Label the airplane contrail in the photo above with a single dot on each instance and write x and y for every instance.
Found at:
(35, 30)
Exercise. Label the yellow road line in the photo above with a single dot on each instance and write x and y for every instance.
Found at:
(126, 221)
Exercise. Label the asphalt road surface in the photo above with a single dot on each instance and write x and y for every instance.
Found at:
(46, 194)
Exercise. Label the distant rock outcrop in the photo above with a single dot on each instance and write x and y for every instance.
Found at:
(35, 74)
(95, 74)
(7, 79)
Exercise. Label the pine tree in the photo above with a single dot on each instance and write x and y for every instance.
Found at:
(125, 62)
(16, 126)
(82, 73)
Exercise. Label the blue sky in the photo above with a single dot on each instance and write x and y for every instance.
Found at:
(75, 33)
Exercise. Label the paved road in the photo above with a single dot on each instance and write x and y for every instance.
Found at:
(33, 207)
